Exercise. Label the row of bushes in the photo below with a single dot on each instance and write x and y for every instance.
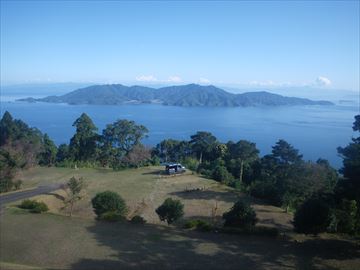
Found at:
(240, 219)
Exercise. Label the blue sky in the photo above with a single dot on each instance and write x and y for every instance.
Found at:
(239, 43)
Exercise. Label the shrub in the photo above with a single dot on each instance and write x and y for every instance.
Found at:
(241, 215)
(190, 224)
(111, 216)
(138, 220)
(39, 208)
(199, 225)
(312, 217)
(346, 216)
(34, 206)
(203, 226)
(190, 163)
(222, 175)
(108, 201)
(27, 204)
(267, 191)
(170, 211)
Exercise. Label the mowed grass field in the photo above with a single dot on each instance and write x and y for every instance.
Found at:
(144, 189)
(56, 241)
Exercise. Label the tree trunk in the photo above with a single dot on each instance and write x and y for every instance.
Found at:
(71, 208)
(241, 170)
(200, 159)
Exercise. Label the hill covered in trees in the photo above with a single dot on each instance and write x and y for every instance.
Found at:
(184, 95)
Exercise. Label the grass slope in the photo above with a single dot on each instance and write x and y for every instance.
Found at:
(144, 189)
(73, 243)
(52, 241)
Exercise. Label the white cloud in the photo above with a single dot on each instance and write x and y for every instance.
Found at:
(204, 80)
(322, 81)
(263, 83)
(175, 79)
(146, 78)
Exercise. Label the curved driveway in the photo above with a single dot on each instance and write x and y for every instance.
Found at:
(20, 195)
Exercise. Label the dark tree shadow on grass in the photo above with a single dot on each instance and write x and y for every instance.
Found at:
(160, 247)
(199, 194)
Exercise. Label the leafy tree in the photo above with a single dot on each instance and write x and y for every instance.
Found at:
(108, 201)
(221, 174)
(166, 149)
(347, 220)
(356, 125)
(48, 154)
(170, 211)
(285, 153)
(348, 188)
(137, 156)
(313, 216)
(243, 153)
(20, 146)
(20, 140)
(172, 150)
(241, 215)
(7, 128)
(201, 143)
(121, 137)
(73, 188)
(219, 150)
(63, 153)
(8, 169)
(83, 144)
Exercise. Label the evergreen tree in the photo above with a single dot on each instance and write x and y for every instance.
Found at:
(201, 143)
(48, 154)
(84, 143)
(243, 153)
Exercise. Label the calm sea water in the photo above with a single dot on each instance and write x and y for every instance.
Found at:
(315, 130)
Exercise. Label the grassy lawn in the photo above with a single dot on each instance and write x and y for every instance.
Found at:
(59, 242)
(56, 241)
(144, 189)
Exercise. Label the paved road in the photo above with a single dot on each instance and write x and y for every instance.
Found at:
(20, 195)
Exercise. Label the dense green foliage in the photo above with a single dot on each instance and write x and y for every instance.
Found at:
(48, 155)
(170, 211)
(109, 202)
(338, 210)
(241, 215)
(83, 144)
(312, 217)
(20, 147)
(34, 206)
(199, 225)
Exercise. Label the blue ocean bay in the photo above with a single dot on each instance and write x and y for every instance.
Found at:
(315, 130)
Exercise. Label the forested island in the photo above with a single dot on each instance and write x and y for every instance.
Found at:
(184, 95)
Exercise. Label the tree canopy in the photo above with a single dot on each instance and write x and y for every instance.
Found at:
(83, 143)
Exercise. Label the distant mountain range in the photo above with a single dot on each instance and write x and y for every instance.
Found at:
(184, 95)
